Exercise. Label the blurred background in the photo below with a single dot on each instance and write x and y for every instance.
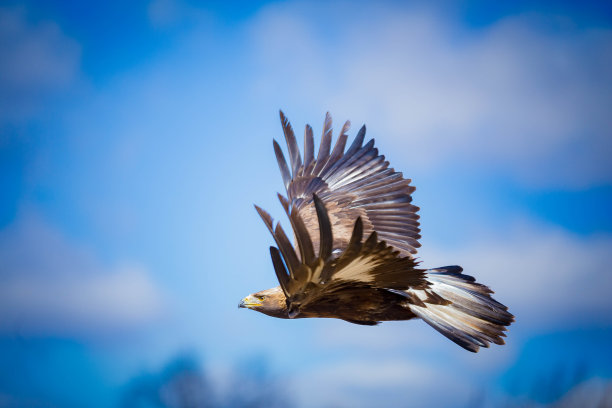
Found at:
(135, 137)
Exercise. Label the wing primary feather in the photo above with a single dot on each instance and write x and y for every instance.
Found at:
(345, 163)
(336, 154)
(366, 166)
(282, 165)
(327, 127)
(325, 231)
(358, 142)
(281, 271)
(366, 183)
(301, 233)
(351, 167)
(340, 144)
(396, 228)
(325, 145)
(402, 245)
(386, 177)
(345, 127)
(284, 245)
(398, 186)
(284, 202)
(281, 240)
(267, 219)
(303, 237)
(308, 146)
(294, 150)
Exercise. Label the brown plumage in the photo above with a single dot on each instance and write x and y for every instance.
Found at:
(355, 232)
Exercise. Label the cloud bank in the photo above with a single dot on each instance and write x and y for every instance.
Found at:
(37, 61)
(49, 286)
(528, 95)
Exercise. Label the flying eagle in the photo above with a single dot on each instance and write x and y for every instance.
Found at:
(356, 234)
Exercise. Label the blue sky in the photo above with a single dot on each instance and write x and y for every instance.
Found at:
(134, 140)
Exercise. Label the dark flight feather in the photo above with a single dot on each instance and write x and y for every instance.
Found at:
(282, 164)
(308, 147)
(281, 271)
(267, 219)
(302, 236)
(325, 230)
(286, 250)
(294, 150)
(338, 151)
(325, 145)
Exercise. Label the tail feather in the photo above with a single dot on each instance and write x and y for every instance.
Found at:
(470, 317)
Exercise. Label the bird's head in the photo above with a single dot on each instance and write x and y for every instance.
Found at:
(270, 301)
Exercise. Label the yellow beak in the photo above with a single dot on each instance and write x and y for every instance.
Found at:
(249, 302)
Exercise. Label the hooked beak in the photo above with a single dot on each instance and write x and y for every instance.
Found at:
(249, 302)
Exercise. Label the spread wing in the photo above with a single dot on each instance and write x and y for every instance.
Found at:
(316, 275)
(354, 183)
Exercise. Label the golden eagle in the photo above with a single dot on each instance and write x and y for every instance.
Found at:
(336, 199)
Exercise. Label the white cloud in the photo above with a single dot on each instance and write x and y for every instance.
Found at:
(164, 14)
(359, 382)
(50, 286)
(525, 95)
(595, 392)
(36, 60)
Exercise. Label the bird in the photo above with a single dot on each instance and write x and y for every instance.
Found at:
(355, 240)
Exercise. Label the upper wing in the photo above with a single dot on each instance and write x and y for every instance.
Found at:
(310, 277)
(355, 183)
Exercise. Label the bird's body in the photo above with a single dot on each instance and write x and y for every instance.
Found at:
(333, 272)
(365, 306)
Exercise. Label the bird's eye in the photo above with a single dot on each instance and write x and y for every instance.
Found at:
(260, 297)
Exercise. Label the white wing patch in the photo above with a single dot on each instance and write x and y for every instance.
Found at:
(359, 269)
(316, 272)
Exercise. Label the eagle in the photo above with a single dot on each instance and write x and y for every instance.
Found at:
(355, 236)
